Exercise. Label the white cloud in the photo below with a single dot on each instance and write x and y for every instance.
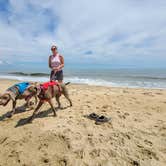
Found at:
(110, 29)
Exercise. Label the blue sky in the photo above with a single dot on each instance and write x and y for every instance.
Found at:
(117, 33)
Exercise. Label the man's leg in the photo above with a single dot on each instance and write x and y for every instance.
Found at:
(52, 76)
(60, 77)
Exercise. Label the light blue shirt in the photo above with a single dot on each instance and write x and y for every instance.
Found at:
(22, 86)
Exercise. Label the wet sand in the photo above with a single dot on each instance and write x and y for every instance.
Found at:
(135, 136)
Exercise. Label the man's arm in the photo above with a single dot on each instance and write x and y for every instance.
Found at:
(62, 62)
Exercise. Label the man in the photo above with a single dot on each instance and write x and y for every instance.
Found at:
(56, 63)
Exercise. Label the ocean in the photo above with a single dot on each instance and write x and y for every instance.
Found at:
(132, 78)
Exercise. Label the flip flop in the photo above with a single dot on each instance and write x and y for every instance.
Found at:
(102, 119)
(92, 116)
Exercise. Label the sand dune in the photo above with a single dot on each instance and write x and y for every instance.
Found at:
(135, 136)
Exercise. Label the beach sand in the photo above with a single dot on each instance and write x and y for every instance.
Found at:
(135, 136)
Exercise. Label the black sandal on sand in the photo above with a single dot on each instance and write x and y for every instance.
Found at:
(92, 116)
(102, 119)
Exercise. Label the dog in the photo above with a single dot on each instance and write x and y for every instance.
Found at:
(17, 91)
(46, 92)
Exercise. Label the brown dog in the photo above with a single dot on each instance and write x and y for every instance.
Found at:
(46, 95)
(13, 94)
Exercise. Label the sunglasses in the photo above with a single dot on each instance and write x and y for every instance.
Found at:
(53, 48)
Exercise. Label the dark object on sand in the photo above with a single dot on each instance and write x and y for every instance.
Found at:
(98, 119)
(92, 116)
(102, 119)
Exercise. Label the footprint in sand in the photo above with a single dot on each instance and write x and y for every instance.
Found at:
(105, 106)
(123, 116)
(162, 130)
(67, 131)
(148, 113)
(88, 106)
(95, 153)
(69, 122)
(158, 93)
(80, 153)
(14, 156)
(103, 110)
(137, 120)
(90, 140)
(148, 142)
(63, 162)
(2, 140)
(114, 103)
(135, 163)
(126, 114)
(147, 153)
(127, 135)
(77, 136)
(45, 160)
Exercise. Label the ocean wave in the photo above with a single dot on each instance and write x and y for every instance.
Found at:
(76, 80)
(148, 77)
(92, 81)
(24, 78)
(145, 77)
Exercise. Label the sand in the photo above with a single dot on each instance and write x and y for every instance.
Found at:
(135, 136)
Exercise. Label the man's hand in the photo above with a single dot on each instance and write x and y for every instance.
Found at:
(56, 69)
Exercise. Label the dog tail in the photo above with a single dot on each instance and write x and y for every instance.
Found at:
(67, 83)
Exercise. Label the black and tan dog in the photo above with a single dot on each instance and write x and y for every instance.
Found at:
(13, 93)
(46, 92)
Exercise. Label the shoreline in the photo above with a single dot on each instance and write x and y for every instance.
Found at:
(104, 86)
(127, 78)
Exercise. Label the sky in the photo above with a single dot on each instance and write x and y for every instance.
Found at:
(116, 33)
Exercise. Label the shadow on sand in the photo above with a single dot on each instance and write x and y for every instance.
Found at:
(43, 114)
(19, 110)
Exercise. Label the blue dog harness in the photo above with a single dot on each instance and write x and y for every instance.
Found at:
(22, 86)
